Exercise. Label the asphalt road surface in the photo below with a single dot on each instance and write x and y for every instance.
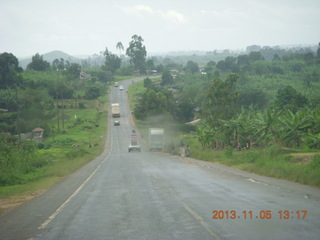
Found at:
(147, 195)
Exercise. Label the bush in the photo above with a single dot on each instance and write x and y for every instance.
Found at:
(228, 151)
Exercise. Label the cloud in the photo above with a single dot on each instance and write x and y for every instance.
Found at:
(226, 13)
(173, 16)
(137, 9)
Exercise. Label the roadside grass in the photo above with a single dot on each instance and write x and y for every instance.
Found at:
(134, 91)
(65, 151)
(301, 166)
(274, 161)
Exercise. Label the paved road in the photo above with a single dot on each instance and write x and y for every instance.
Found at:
(145, 195)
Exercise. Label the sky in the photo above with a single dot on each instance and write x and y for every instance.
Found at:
(87, 27)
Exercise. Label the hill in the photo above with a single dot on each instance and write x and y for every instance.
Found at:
(50, 57)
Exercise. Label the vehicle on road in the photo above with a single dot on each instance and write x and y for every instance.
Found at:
(121, 88)
(156, 139)
(133, 142)
(116, 123)
(116, 84)
(115, 110)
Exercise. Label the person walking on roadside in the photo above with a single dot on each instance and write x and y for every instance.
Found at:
(188, 151)
(181, 149)
(171, 146)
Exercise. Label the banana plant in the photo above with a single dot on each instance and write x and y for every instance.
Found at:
(294, 126)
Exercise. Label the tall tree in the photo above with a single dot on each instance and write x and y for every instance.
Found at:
(73, 71)
(192, 67)
(120, 47)
(38, 63)
(166, 78)
(289, 98)
(221, 99)
(137, 53)
(9, 69)
(113, 62)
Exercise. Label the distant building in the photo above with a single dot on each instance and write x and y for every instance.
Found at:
(38, 134)
(85, 76)
(151, 72)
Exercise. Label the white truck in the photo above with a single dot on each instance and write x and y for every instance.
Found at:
(156, 139)
(133, 143)
(115, 110)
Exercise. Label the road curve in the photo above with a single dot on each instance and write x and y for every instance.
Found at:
(122, 195)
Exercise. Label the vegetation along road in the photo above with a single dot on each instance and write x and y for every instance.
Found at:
(151, 195)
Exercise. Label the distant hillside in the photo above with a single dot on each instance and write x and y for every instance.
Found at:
(50, 57)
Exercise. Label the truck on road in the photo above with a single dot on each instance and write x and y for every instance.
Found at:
(156, 139)
(133, 143)
(115, 109)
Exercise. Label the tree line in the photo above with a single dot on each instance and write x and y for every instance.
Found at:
(243, 101)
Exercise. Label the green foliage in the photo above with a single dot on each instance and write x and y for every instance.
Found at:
(151, 103)
(112, 62)
(261, 128)
(221, 98)
(192, 67)
(289, 98)
(147, 83)
(101, 75)
(166, 78)
(17, 158)
(95, 91)
(137, 53)
(73, 71)
(228, 152)
(59, 64)
(125, 70)
(315, 163)
(252, 97)
(38, 64)
(9, 71)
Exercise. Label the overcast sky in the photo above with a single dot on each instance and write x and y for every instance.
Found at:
(87, 27)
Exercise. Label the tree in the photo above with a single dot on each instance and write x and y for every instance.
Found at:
(192, 67)
(150, 64)
(266, 125)
(93, 92)
(221, 98)
(112, 62)
(289, 98)
(73, 71)
(147, 83)
(318, 53)
(58, 64)
(120, 47)
(166, 78)
(137, 53)
(229, 64)
(256, 98)
(38, 63)
(210, 66)
(294, 127)
(255, 56)
(9, 69)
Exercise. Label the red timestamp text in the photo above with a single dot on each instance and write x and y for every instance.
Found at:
(262, 214)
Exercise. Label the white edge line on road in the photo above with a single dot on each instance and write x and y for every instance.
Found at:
(43, 225)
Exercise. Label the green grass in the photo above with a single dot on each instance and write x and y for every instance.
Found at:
(61, 152)
(274, 162)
